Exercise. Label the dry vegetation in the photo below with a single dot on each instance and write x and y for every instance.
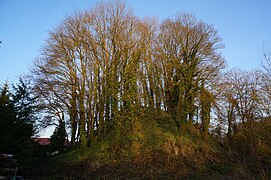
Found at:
(147, 100)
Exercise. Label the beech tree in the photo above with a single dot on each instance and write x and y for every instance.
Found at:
(101, 64)
(226, 103)
(241, 102)
(266, 83)
(188, 55)
(89, 68)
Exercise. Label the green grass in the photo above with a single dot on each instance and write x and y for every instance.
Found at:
(143, 145)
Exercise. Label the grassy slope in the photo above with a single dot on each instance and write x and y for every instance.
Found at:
(146, 146)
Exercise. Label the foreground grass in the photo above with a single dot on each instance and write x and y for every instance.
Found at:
(146, 147)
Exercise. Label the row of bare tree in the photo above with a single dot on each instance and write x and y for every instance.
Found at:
(103, 62)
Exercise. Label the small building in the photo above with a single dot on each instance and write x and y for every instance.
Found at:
(42, 141)
(46, 141)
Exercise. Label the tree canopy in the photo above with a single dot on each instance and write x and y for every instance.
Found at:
(104, 62)
(115, 83)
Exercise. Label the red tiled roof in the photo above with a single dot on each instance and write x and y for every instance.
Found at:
(42, 141)
(46, 141)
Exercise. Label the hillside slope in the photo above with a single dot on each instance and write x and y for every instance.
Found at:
(147, 145)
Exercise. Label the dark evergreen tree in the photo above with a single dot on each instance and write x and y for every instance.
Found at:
(58, 138)
(25, 105)
(8, 122)
(17, 117)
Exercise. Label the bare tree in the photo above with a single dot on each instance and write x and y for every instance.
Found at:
(188, 54)
(105, 62)
(90, 65)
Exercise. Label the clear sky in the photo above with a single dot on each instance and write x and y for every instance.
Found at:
(244, 26)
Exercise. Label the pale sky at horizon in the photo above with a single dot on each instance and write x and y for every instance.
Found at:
(244, 26)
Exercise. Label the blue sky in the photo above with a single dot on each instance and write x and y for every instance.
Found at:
(244, 26)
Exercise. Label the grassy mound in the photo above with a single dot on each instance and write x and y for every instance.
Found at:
(145, 144)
